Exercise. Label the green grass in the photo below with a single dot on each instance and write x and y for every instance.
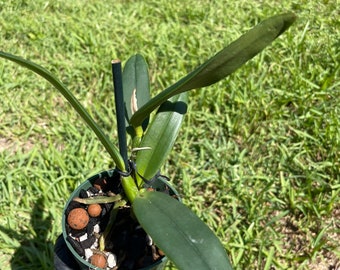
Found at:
(258, 157)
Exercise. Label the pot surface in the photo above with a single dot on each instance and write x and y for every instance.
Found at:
(129, 245)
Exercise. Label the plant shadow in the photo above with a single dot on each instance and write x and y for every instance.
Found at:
(35, 251)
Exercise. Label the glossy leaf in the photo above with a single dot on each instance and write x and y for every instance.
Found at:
(223, 63)
(135, 84)
(186, 240)
(161, 135)
(111, 148)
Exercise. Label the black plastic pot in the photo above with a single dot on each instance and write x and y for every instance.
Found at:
(160, 184)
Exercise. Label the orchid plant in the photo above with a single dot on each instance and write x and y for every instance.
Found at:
(186, 240)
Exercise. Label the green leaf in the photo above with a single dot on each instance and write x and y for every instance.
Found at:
(223, 63)
(135, 84)
(161, 135)
(186, 240)
(111, 148)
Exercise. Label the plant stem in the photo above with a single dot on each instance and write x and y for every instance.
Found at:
(120, 113)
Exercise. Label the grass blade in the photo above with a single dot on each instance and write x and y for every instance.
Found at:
(111, 148)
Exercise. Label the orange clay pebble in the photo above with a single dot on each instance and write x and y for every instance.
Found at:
(94, 210)
(99, 260)
(78, 218)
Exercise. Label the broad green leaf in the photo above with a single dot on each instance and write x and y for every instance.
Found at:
(186, 240)
(135, 84)
(111, 148)
(161, 135)
(223, 63)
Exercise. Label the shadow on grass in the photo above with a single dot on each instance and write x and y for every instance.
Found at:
(35, 251)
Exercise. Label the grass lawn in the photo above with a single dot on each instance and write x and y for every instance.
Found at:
(258, 157)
